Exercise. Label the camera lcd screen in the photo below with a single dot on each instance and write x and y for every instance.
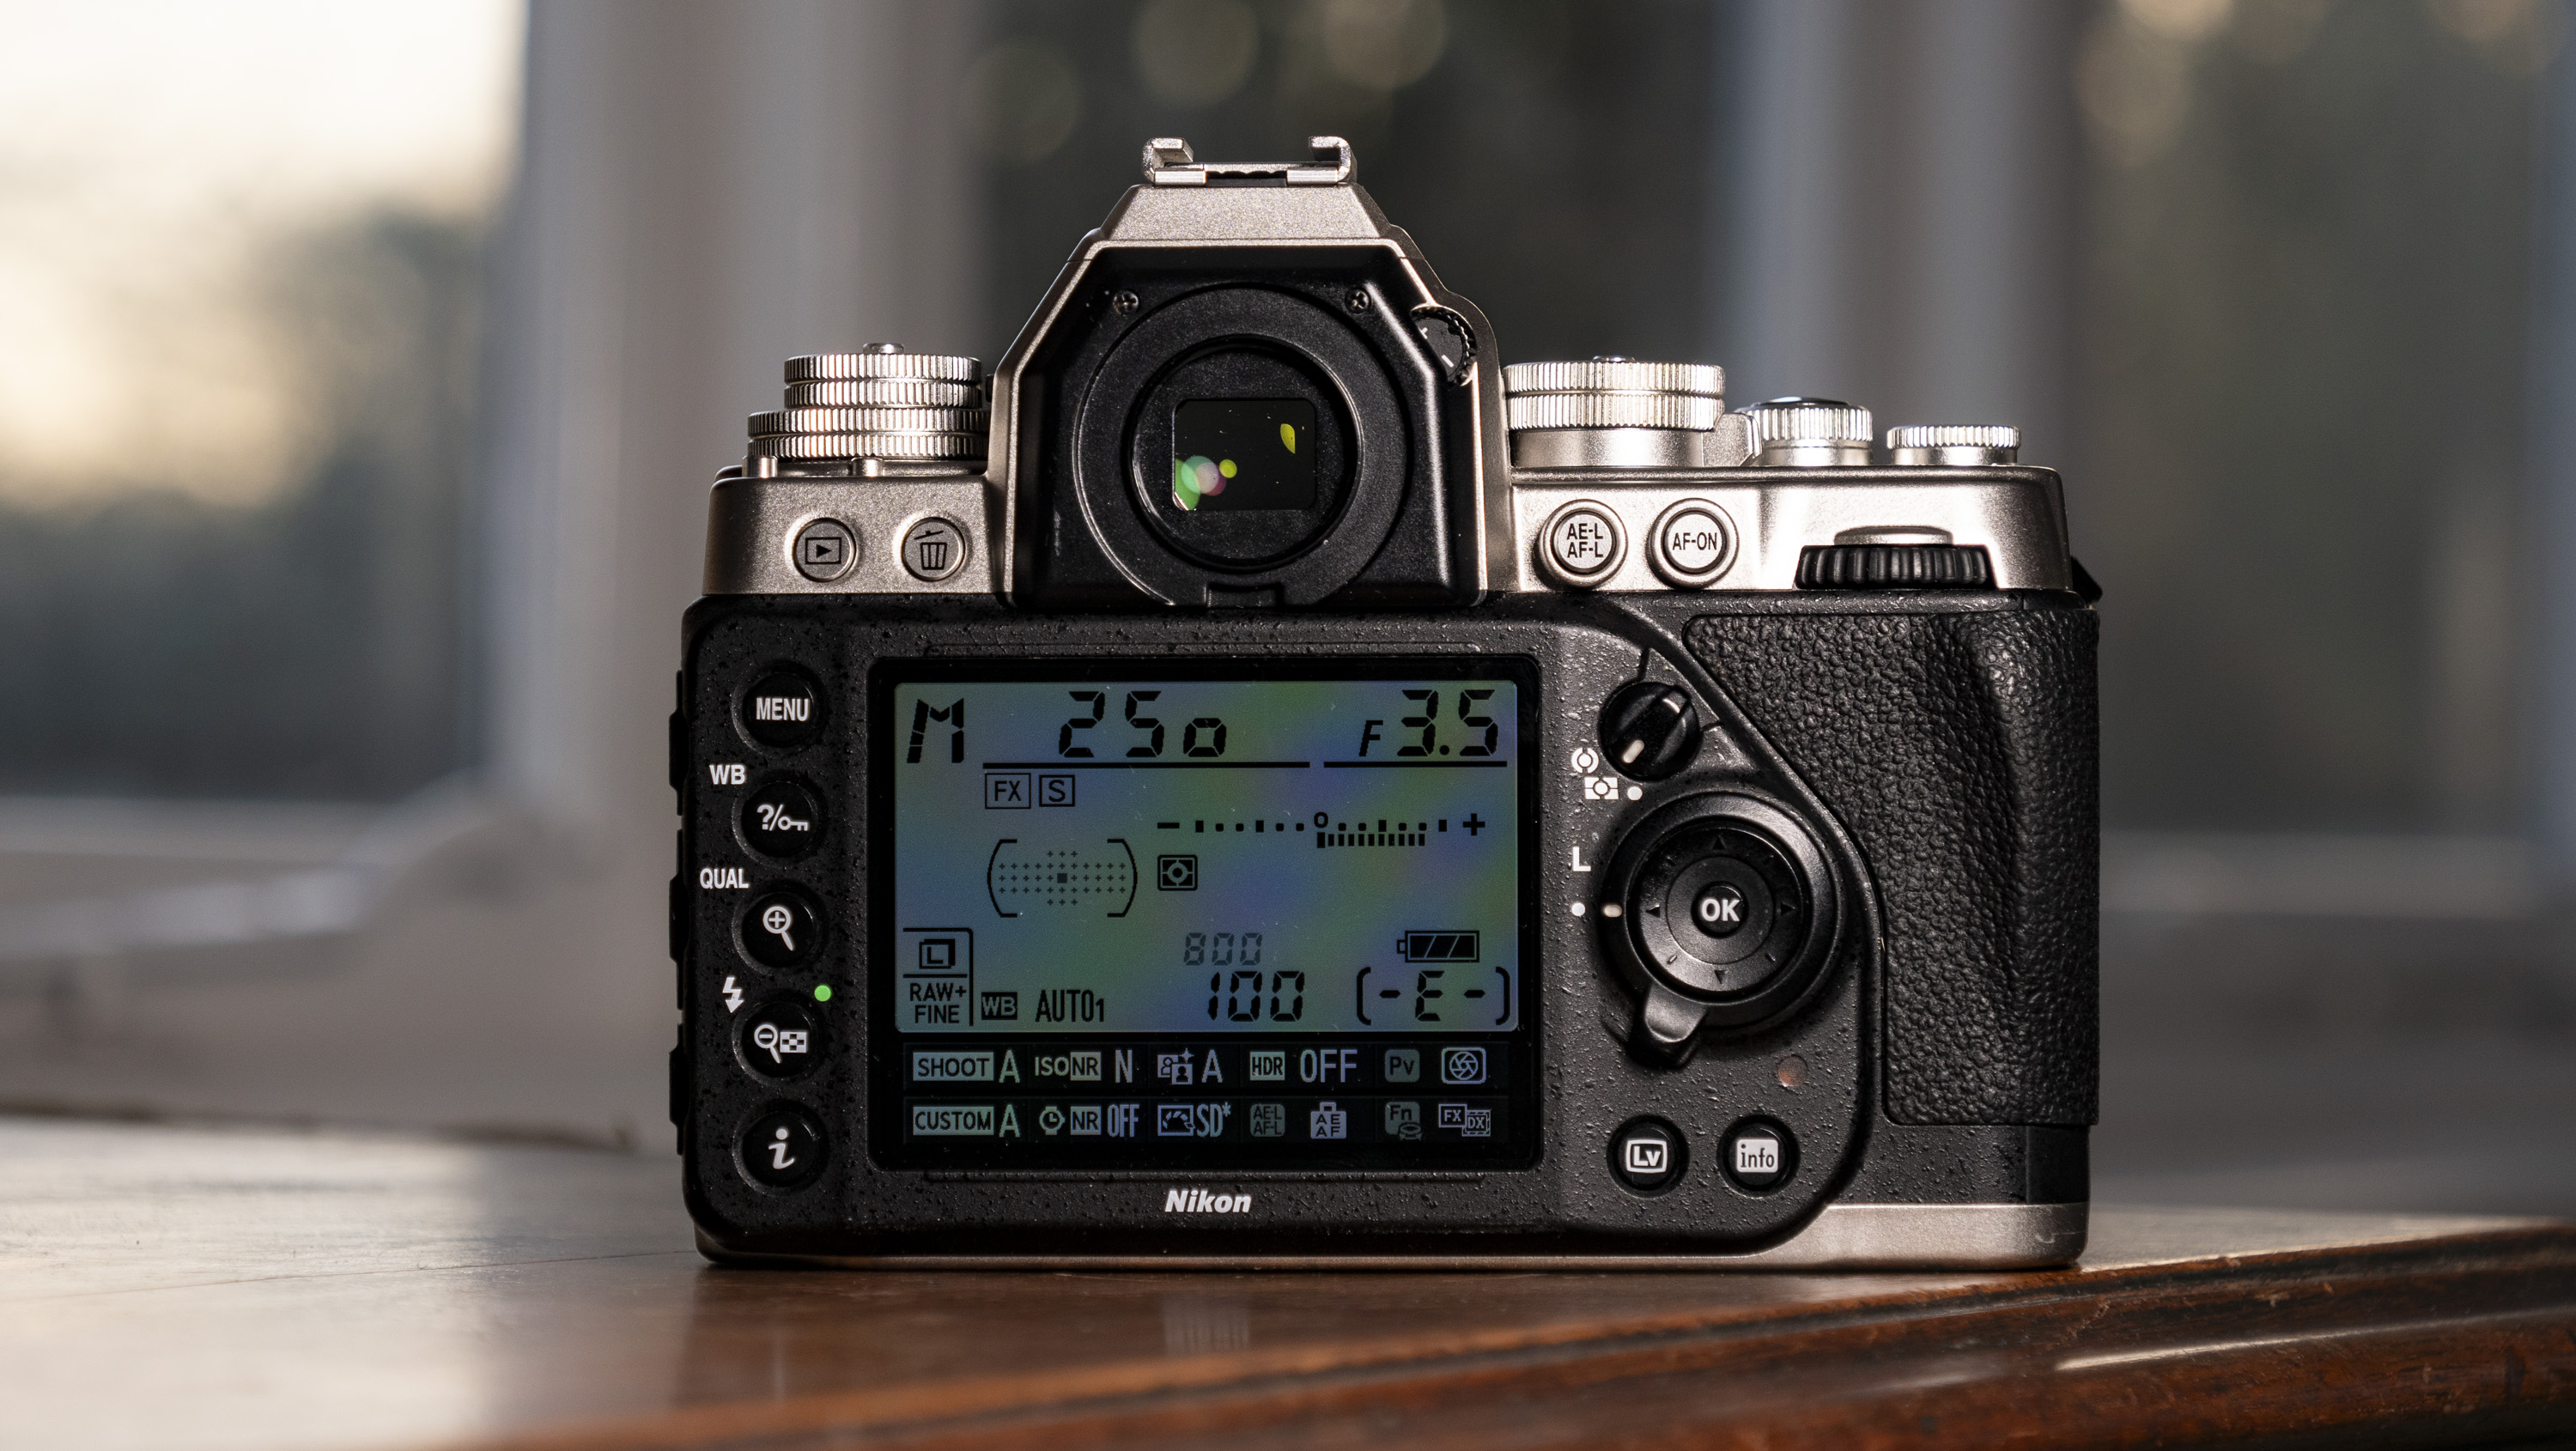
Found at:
(1221, 915)
(1233, 455)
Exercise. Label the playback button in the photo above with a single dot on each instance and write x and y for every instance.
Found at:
(1648, 1155)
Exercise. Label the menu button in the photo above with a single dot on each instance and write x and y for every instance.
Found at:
(782, 709)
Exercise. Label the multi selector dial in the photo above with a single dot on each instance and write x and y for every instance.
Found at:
(1726, 915)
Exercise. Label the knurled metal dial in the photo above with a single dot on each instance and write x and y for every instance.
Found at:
(1820, 421)
(884, 360)
(879, 403)
(1954, 435)
(883, 393)
(1613, 410)
(937, 446)
(1615, 375)
(782, 421)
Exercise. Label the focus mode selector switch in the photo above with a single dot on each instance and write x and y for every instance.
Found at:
(1649, 731)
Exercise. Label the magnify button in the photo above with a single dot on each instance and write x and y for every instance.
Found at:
(782, 929)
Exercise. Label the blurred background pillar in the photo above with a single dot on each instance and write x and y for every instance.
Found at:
(707, 189)
(1898, 226)
(2551, 462)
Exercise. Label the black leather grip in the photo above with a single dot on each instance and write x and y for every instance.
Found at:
(1960, 750)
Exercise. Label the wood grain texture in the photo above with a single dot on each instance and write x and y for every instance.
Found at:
(193, 1289)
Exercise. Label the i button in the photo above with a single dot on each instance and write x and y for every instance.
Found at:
(783, 1148)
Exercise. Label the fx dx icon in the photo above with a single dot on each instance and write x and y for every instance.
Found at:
(1177, 873)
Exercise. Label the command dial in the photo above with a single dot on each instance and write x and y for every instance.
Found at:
(1649, 730)
(1727, 914)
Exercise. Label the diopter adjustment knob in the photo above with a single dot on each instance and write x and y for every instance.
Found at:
(1650, 730)
(1809, 433)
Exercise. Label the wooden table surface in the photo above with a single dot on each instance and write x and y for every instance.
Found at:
(190, 1288)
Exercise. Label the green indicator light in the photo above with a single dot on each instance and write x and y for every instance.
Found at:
(822, 992)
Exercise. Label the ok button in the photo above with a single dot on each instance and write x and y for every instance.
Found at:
(1719, 909)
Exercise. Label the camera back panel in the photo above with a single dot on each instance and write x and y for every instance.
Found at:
(992, 1072)
(1279, 787)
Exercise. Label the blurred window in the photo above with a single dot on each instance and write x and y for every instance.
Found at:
(1551, 157)
(2303, 404)
(238, 275)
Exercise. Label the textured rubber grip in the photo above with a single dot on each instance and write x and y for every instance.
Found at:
(1960, 750)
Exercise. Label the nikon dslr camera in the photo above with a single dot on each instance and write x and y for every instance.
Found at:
(1276, 786)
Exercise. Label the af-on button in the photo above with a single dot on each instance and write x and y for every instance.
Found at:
(1692, 545)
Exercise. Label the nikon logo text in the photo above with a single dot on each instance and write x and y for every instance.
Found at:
(1199, 1201)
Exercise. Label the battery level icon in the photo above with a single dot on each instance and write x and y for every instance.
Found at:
(1437, 947)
